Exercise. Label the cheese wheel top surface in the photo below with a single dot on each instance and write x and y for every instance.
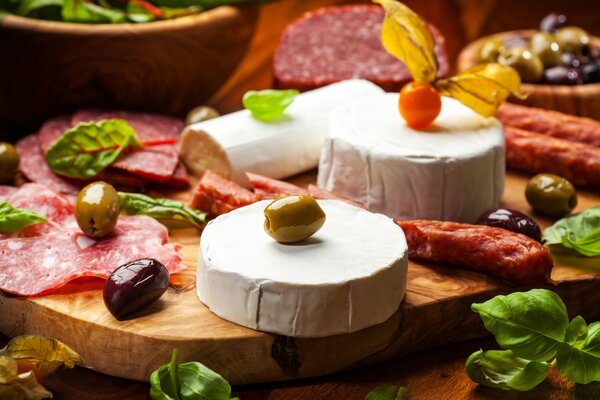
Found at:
(375, 121)
(353, 243)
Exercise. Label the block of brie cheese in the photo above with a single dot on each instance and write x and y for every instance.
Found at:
(350, 275)
(453, 170)
(237, 143)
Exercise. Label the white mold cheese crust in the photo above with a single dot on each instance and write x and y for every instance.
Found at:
(350, 275)
(453, 170)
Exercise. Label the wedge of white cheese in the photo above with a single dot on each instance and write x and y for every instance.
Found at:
(454, 170)
(350, 275)
(237, 143)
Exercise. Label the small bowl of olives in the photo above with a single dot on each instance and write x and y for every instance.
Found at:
(559, 64)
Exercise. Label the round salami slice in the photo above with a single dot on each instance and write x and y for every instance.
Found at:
(338, 43)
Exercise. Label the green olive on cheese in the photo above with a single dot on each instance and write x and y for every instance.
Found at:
(9, 162)
(551, 194)
(293, 218)
(97, 209)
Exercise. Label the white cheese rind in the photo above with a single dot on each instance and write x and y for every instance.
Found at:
(350, 275)
(452, 171)
(237, 143)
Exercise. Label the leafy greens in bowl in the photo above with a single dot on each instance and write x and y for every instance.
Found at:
(110, 11)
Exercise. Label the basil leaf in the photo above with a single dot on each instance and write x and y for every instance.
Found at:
(85, 150)
(171, 213)
(390, 392)
(577, 332)
(268, 105)
(580, 232)
(14, 219)
(531, 324)
(188, 381)
(170, 13)
(28, 6)
(502, 369)
(85, 11)
(206, 4)
(581, 362)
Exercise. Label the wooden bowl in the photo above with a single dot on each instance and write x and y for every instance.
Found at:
(583, 100)
(49, 68)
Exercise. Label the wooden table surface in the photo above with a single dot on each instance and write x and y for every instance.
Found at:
(432, 374)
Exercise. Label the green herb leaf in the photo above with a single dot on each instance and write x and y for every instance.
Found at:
(482, 88)
(171, 213)
(170, 13)
(188, 381)
(46, 354)
(390, 392)
(577, 332)
(28, 6)
(137, 13)
(581, 362)
(14, 219)
(15, 386)
(502, 369)
(85, 150)
(86, 11)
(407, 37)
(268, 105)
(205, 4)
(531, 324)
(580, 232)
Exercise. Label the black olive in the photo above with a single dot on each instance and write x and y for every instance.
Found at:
(562, 76)
(552, 22)
(511, 220)
(135, 285)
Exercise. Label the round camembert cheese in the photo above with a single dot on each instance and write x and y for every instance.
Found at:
(350, 275)
(453, 170)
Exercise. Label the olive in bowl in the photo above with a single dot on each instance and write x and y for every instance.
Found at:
(97, 209)
(511, 220)
(293, 218)
(135, 285)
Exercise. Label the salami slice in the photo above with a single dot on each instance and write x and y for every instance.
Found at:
(320, 193)
(217, 195)
(33, 166)
(6, 191)
(157, 163)
(338, 43)
(269, 188)
(538, 153)
(60, 252)
(508, 255)
(551, 123)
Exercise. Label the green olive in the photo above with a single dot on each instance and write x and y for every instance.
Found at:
(551, 194)
(572, 39)
(97, 209)
(201, 113)
(528, 65)
(9, 162)
(544, 45)
(490, 50)
(293, 218)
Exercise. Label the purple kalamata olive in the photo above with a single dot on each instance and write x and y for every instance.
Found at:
(562, 76)
(552, 22)
(591, 72)
(511, 220)
(134, 285)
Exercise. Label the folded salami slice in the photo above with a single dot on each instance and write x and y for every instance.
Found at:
(552, 123)
(57, 252)
(538, 153)
(269, 188)
(508, 255)
(323, 194)
(217, 195)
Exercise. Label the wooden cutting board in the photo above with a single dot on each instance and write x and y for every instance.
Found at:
(436, 310)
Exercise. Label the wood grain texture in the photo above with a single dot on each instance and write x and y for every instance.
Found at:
(437, 296)
(166, 66)
(583, 100)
